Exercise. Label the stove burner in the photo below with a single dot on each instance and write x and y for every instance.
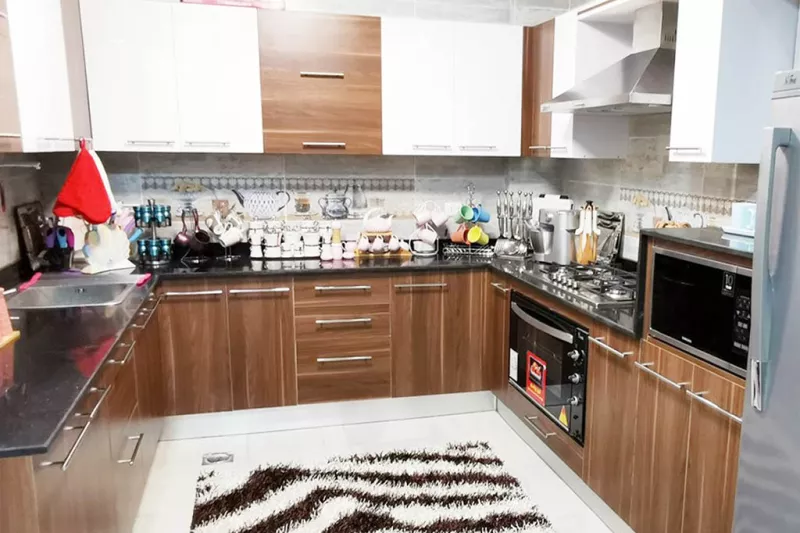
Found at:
(617, 293)
(604, 286)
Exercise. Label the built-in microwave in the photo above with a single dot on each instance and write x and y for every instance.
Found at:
(547, 363)
(701, 306)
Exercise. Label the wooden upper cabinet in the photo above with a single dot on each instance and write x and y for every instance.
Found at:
(320, 82)
(611, 417)
(194, 347)
(10, 131)
(262, 342)
(537, 88)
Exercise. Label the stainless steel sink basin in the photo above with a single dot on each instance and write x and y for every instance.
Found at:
(59, 293)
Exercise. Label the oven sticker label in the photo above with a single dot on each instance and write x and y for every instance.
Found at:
(536, 385)
(513, 365)
(563, 417)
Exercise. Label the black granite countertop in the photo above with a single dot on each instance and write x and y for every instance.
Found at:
(61, 350)
(708, 238)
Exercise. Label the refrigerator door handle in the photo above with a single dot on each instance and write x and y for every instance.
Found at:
(772, 193)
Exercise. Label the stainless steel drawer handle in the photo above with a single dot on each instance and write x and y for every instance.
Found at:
(646, 367)
(208, 143)
(130, 462)
(150, 143)
(332, 322)
(105, 392)
(328, 75)
(149, 316)
(71, 454)
(324, 145)
(475, 148)
(501, 288)
(125, 359)
(442, 147)
(419, 285)
(11, 135)
(599, 341)
(545, 436)
(194, 293)
(344, 359)
(260, 291)
(708, 403)
(343, 288)
(683, 149)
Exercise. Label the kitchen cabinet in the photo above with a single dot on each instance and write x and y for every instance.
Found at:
(218, 82)
(611, 416)
(194, 347)
(463, 331)
(417, 334)
(321, 82)
(537, 88)
(723, 83)
(495, 352)
(43, 99)
(579, 51)
(262, 342)
(445, 92)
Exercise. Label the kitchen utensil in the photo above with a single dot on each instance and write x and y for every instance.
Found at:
(480, 214)
(378, 245)
(256, 252)
(182, 238)
(375, 221)
(460, 234)
(143, 280)
(359, 197)
(363, 244)
(439, 218)
(348, 255)
(422, 215)
(272, 252)
(427, 235)
(335, 205)
(337, 251)
(465, 214)
(302, 204)
(476, 235)
(311, 251)
(423, 247)
(200, 238)
(394, 244)
(272, 239)
(261, 204)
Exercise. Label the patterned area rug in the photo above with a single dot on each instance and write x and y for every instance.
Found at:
(457, 488)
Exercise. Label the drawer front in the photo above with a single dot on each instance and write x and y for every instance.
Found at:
(350, 359)
(373, 382)
(121, 405)
(342, 329)
(341, 291)
(545, 429)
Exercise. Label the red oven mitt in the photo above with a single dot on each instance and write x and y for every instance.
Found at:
(84, 194)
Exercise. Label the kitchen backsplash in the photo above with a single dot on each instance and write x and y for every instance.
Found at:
(19, 185)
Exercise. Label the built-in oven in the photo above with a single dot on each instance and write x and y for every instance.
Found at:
(547, 363)
(701, 306)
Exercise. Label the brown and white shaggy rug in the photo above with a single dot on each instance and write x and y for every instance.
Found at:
(457, 488)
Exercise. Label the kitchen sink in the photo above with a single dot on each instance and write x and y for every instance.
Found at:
(63, 292)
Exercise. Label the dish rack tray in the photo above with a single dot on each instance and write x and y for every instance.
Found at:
(453, 249)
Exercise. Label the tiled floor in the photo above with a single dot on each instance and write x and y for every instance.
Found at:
(169, 496)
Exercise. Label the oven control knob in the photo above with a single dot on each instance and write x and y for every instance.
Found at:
(574, 400)
(575, 378)
(574, 355)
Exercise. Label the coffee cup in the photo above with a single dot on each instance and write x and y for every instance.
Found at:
(378, 245)
(272, 239)
(476, 235)
(439, 218)
(363, 244)
(479, 214)
(272, 252)
(427, 235)
(348, 255)
(422, 215)
(394, 244)
(230, 237)
(350, 246)
(460, 234)
(465, 213)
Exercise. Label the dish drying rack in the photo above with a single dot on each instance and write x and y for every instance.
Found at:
(454, 249)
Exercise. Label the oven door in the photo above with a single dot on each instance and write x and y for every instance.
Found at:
(548, 365)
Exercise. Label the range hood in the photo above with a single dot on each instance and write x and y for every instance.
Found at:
(640, 83)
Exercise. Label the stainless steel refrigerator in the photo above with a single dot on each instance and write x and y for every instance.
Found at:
(768, 490)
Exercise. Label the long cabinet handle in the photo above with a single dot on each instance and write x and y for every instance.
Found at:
(546, 147)
(150, 143)
(71, 454)
(11, 135)
(599, 341)
(545, 436)
(194, 293)
(442, 147)
(501, 288)
(646, 367)
(344, 359)
(708, 403)
(130, 462)
(96, 409)
(475, 148)
(149, 316)
(329, 288)
(260, 291)
(324, 145)
(222, 144)
(332, 322)
(124, 360)
(328, 75)
(683, 148)
(420, 285)
(541, 326)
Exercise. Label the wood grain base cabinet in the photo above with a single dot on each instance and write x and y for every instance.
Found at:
(495, 342)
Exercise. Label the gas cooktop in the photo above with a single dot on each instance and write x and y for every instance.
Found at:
(599, 286)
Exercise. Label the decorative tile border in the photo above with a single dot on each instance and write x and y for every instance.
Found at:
(196, 184)
(677, 200)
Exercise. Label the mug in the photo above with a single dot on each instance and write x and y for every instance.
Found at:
(422, 215)
(337, 252)
(255, 251)
(311, 239)
(378, 245)
(479, 214)
(326, 255)
(292, 237)
(272, 239)
(363, 244)
(230, 237)
(465, 214)
(476, 235)
(394, 244)
(272, 252)
(326, 249)
(460, 234)
(350, 246)
(439, 218)
(311, 251)
(427, 235)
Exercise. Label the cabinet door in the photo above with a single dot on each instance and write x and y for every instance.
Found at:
(713, 454)
(463, 331)
(488, 89)
(418, 87)
(194, 347)
(417, 314)
(219, 86)
(611, 415)
(662, 431)
(495, 352)
(321, 77)
(10, 132)
(261, 321)
(537, 88)
(130, 72)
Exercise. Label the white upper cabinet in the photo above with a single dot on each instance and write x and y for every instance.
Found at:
(219, 88)
(172, 77)
(451, 88)
(726, 57)
(130, 71)
(46, 53)
(488, 89)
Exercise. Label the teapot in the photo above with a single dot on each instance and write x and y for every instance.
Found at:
(335, 205)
